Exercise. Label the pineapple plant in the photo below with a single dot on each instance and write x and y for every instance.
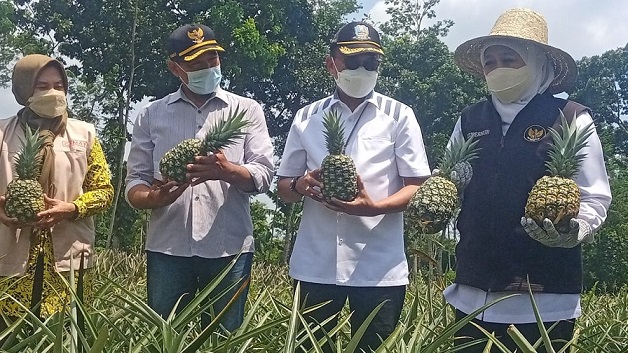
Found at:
(338, 171)
(225, 133)
(435, 202)
(556, 196)
(24, 195)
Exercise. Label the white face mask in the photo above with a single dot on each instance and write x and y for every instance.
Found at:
(48, 104)
(356, 83)
(508, 84)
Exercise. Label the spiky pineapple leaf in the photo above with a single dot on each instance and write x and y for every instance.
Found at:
(226, 132)
(459, 150)
(333, 132)
(565, 158)
(28, 160)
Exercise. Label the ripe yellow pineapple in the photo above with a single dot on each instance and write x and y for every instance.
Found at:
(556, 196)
(25, 196)
(337, 169)
(226, 132)
(433, 205)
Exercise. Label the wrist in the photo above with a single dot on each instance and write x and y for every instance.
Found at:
(293, 184)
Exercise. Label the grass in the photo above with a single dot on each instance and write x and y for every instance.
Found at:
(119, 320)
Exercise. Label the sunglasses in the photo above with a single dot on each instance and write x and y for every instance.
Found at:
(369, 62)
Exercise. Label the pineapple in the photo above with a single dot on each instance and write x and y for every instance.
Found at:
(337, 169)
(25, 196)
(225, 133)
(434, 203)
(556, 196)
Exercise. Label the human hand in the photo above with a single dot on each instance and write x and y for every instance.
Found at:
(214, 166)
(161, 194)
(12, 223)
(579, 231)
(310, 185)
(362, 205)
(57, 211)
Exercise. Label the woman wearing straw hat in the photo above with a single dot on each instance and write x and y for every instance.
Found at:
(501, 252)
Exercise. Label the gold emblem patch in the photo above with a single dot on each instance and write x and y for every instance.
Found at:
(534, 133)
(196, 35)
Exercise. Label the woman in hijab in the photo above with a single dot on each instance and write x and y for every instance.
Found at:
(76, 181)
(500, 251)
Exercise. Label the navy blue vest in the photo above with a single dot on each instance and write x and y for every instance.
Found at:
(494, 252)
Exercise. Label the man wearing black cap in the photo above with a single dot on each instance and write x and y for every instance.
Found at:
(354, 250)
(196, 229)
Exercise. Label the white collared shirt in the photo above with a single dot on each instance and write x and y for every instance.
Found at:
(211, 219)
(386, 146)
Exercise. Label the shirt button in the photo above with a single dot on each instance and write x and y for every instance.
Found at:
(197, 198)
(199, 127)
(340, 241)
(199, 111)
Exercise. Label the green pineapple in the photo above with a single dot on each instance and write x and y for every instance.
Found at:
(556, 196)
(25, 196)
(337, 169)
(225, 133)
(436, 200)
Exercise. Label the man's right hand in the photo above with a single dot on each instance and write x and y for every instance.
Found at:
(6, 220)
(158, 195)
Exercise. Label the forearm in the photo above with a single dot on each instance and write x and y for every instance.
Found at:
(285, 193)
(93, 202)
(138, 197)
(396, 202)
(240, 177)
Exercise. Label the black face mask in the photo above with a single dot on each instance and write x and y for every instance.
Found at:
(369, 61)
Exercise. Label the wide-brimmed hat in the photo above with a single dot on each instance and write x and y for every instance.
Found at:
(357, 38)
(191, 40)
(526, 26)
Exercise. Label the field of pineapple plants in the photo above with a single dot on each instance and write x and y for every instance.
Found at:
(118, 320)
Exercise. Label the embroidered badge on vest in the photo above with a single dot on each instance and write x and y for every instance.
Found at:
(534, 133)
(474, 134)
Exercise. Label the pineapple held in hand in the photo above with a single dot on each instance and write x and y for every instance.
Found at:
(25, 196)
(338, 172)
(433, 205)
(225, 133)
(557, 196)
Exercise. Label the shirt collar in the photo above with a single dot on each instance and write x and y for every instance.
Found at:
(370, 98)
(180, 95)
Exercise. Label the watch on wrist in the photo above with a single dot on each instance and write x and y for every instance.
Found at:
(293, 184)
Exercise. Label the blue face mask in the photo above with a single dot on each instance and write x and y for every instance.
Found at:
(204, 81)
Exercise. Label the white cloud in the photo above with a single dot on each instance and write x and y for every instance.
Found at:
(580, 27)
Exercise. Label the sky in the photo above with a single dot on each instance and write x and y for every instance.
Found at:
(580, 27)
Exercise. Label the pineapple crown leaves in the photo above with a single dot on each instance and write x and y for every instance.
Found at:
(28, 160)
(564, 157)
(226, 132)
(459, 150)
(334, 132)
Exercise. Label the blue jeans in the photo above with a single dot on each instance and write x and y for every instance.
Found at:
(170, 277)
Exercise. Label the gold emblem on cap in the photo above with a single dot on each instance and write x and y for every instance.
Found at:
(361, 32)
(534, 133)
(196, 35)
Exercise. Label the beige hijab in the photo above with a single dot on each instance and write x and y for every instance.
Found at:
(24, 77)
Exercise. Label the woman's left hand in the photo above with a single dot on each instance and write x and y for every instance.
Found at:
(57, 211)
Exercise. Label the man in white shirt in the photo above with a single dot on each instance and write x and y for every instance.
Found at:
(354, 250)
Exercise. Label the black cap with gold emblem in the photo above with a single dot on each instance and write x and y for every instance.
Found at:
(357, 38)
(189, 41)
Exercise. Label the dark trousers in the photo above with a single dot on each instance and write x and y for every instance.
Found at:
(559, 335)
(362, 301)
(169, 278)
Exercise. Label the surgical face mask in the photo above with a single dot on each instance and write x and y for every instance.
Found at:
(48, 104)
(203, 81)
(356, 83)
(508, 84)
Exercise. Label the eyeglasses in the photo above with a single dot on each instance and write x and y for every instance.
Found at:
(369, 62)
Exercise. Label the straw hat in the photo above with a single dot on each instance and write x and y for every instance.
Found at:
(526, 26)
